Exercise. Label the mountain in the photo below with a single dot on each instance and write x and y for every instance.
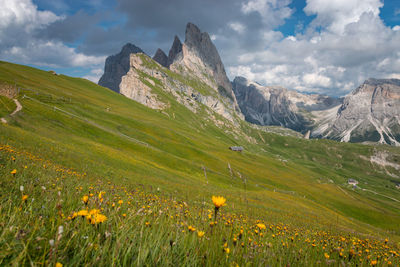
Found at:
(193, 74)
(117, 66)
(199, 57)
(369, 113)
(161, 58)
(275, 105)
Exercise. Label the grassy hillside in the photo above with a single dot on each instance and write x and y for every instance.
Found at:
(77, 138)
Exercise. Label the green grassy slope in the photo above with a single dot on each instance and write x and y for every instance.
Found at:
(89, 128)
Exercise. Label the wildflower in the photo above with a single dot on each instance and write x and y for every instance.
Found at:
(191, 228)
(24, 198)
(261, 226)
(60, 230)
(13, 172)
(227, 250)
(83, 213)
(120, 202)
(97, 218)
(200, 234)
(218, 202)
(124, 215)
(59, 264)
(85, 199)
(21, 188)
(148, 224)
(374, 262)
(51, 242)
(326, 255)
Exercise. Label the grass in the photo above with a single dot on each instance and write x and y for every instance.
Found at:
(144, 157)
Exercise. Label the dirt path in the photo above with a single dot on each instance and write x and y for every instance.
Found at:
(19, 107)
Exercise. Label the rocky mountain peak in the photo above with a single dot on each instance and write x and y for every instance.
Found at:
(176, 49)
(117, 66)
(161, 58)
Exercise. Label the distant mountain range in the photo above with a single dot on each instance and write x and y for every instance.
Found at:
(370, 113)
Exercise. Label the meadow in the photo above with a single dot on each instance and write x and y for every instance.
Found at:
(90, 177)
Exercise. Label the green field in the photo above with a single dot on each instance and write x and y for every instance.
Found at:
(75, 138)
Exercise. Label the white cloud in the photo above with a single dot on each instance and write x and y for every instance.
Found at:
(345, 44)
(237, 26)
(335, 15)
(19, 22)
(273, 12)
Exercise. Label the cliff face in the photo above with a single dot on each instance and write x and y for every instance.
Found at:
(274, 105)
(369, 113)
(199, 57)
(117, 66)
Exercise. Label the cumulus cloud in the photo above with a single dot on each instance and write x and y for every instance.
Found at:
(345, 44)
(20, 41)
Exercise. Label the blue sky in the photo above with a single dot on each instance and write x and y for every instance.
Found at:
(319, 46)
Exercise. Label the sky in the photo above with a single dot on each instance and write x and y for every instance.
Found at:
(313, 46)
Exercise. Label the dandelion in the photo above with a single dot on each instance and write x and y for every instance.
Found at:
(120, 202)
(374, 262)
(85, 199)
(218, 202)
(200, 234)
(13, 172)
(58, 264)
(83, 213)
(261, 226)
(97, 218)
(326, 255)
(24, 198)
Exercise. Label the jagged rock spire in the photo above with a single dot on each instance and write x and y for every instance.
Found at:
(161, 58)
(176, 48)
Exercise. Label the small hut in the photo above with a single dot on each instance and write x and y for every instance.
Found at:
(352, 182)
(236, 148)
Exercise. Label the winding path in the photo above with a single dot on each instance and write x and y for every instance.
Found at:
(19, 107)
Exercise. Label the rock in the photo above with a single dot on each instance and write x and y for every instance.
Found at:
(275, 105)
(161, 58)
(369, 113)
(133, 85)
(117, 66)
(176, 49)
(200, 57)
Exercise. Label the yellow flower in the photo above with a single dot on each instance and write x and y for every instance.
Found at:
(83, 213)
(227, 250)
(261, 226)
(326, 255)
(200, 233)
(97, 218)
(120, 201)
(85, 199)
(13, 172)
(59, 264)
(24, 197)
(374, 262)
(218, 201)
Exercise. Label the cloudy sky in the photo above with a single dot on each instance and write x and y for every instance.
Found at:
(320, 46)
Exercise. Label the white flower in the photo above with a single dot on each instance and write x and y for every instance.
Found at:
(21, 188)
(51, 242)
(60, 230)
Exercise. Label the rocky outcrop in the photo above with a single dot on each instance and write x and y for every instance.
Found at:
(199, 57)
(145, 80)
(274, 105)
(117, 66)
(161, 58)
(134, 85)
(176, 49)
(369, 113)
